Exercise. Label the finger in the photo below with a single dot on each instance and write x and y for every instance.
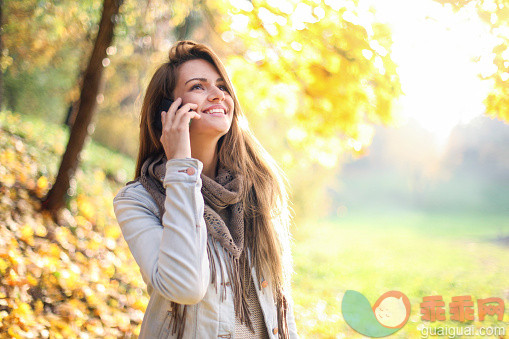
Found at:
(175, 105)
(186, 108)
(170, 114)
(188, 117)
(194, 116)
(163, 119)
(183, 118)
(166, 116)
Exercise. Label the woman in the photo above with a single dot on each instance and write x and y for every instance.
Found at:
(206, 217)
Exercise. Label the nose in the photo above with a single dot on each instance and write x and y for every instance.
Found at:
(216, 94)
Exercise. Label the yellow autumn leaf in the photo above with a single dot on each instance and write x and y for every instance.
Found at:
(8, 179)
(14, 332)
(42, 182)
(40, 230)
(81, 221)
(68, 279)
(86, 208)
(112, 231)
(14, 258)
(23, 309)
(3, 266)
(140, 303)
(95, 243)
(39, 307)
(137, 330)
(27, 234)
(54, 250)
(64, 236)
(122, 320)
(8, 156)
(23, 178)
(92, 300)
(80, 258)
(109, 270)
(31, 280)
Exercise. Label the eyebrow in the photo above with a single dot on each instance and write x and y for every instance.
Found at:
(204, 80)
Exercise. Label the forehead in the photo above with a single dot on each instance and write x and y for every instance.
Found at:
(197, 68)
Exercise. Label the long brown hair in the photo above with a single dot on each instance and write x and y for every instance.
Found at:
(266, 207)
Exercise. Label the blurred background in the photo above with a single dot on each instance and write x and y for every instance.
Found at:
(389, 119)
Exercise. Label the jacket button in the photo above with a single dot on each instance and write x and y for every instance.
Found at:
(274, 330)
(190, 171)
(265, 283)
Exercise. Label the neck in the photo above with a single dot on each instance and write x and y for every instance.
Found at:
(206, 152)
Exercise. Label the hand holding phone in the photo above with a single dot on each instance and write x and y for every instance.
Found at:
(176, 115)
(164, 105)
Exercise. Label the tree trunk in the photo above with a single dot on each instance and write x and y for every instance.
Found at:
(55, 199)
(70, 116)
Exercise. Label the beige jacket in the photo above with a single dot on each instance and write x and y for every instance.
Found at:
(173, 260)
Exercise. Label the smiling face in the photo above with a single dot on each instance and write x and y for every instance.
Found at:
(200, 83)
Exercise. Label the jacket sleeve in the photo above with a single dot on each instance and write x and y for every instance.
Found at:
(292, 326)
(173, 256)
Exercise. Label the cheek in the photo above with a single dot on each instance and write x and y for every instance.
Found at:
(188, 98)
(231, 103)
(195, 97)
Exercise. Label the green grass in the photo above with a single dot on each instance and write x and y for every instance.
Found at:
(415, 253)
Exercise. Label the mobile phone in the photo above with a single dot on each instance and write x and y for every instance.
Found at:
(164, 105)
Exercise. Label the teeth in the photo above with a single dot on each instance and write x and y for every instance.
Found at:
(215, 110)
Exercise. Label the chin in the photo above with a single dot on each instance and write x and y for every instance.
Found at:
(213, 131)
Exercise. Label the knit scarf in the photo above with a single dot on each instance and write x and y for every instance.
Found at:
(224, 217)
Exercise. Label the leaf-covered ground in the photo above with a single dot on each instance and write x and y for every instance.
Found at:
(74, 279)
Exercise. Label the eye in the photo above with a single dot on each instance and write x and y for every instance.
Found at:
(224, 88)
(196, 86)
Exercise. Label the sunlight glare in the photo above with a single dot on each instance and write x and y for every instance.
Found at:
(435, 50)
